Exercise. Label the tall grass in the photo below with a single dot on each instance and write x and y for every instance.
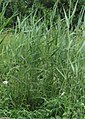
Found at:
(44, 66)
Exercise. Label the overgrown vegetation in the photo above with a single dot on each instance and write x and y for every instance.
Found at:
(22, 8)
(42, 64)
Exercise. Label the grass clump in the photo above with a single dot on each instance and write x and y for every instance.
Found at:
(43, 68)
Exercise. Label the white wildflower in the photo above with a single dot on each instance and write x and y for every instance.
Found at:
(5, 82)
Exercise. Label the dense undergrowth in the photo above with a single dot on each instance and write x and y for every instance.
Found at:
(22, 8)
(42, 67)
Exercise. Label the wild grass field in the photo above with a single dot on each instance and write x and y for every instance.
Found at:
(42, 69)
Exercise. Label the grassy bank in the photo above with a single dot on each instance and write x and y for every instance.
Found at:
(43, 69)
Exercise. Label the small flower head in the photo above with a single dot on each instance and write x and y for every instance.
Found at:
(5, 82)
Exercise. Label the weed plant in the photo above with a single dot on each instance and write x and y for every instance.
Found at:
(44, 68)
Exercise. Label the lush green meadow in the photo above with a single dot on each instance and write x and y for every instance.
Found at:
(42, 67)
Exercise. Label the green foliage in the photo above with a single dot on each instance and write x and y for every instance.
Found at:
(43, 68)
(23, 7)
(42, 65)
(4, 19)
